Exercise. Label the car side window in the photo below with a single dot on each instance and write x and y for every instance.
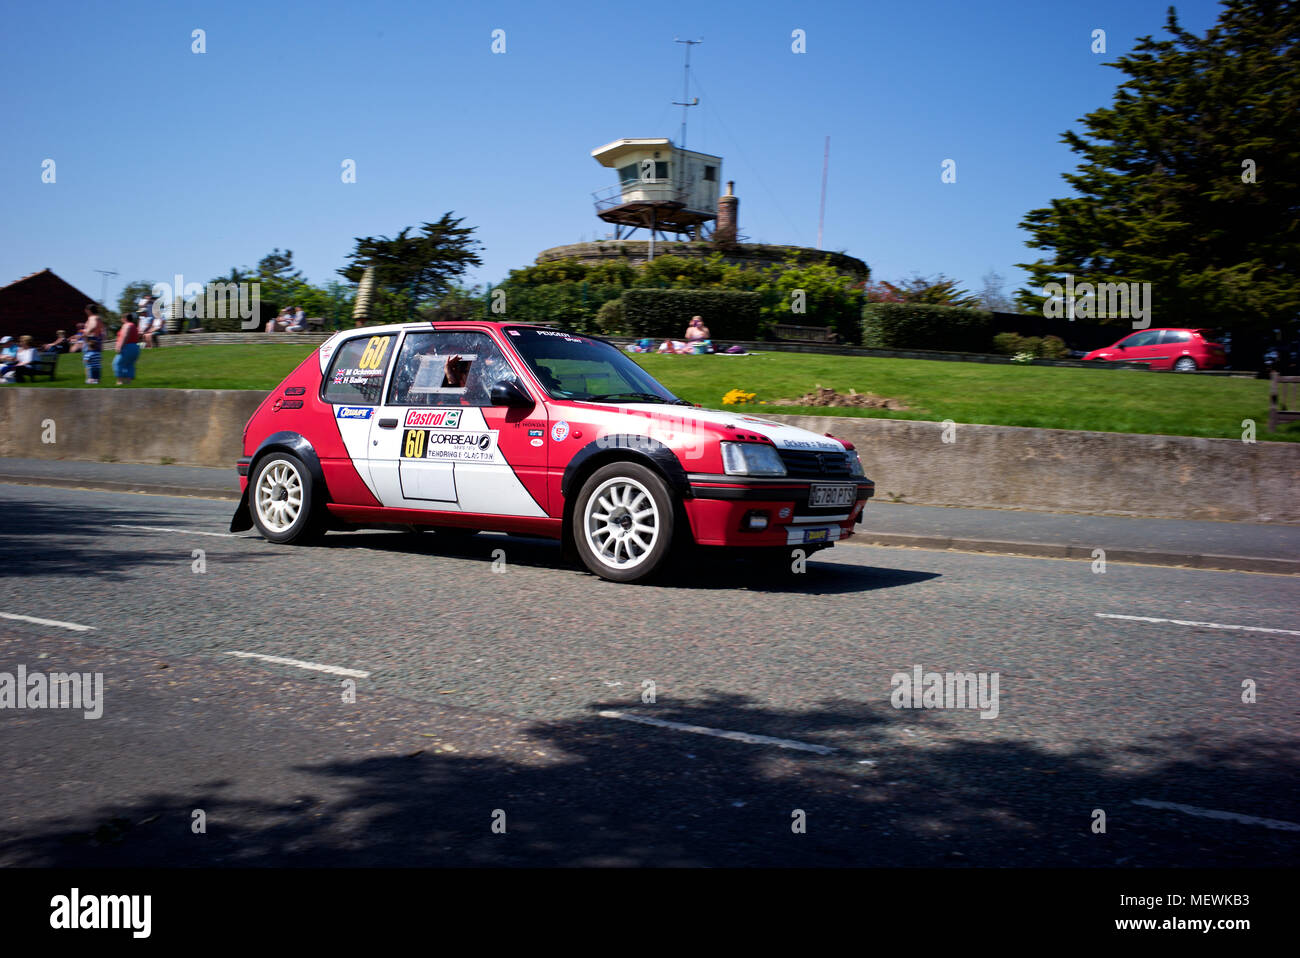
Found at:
(443, 368)
(1147, 338)
(357, 373)
(1176, 336)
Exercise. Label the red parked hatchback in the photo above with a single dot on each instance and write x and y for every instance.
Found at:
(1183, 350)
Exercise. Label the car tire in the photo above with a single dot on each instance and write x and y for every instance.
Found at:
(1185, 364)
(281, 498)
(623, 522)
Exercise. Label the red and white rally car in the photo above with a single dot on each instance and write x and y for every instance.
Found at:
(511, 427)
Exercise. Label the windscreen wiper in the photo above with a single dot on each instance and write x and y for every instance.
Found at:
(641, 397)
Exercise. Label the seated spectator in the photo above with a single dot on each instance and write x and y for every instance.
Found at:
(77, 341)
(21, 362)
(298, 320)
(8, 349)
(61, 344)
(696, 330)
(152, 323)
(281, 322)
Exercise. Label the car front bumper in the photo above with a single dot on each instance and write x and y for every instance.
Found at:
(727, 510)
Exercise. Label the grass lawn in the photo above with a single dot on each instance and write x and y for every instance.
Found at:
(1004, 395)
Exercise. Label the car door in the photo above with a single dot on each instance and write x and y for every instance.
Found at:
(351, 386)
(437, 442)
(1138, 348)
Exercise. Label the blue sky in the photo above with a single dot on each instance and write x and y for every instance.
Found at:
(172, 162)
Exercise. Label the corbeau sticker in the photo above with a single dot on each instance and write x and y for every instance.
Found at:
(449, 446)
(537, 432)
(560, 431)
(447, 418)
(353, 412)
(535, 442)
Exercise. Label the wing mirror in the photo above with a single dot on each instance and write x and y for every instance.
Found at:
(508, 392)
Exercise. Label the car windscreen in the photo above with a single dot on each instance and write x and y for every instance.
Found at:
(575, 367)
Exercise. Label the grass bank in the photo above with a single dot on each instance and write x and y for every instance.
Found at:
(1002, 395)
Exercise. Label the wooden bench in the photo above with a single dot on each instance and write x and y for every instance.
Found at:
(807, 334)
(315, 324)
(1282, 405)
(43, 365)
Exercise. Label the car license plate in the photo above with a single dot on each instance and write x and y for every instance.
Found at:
(827, 494)
(816, 535)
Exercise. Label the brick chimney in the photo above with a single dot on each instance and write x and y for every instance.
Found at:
(728, 207)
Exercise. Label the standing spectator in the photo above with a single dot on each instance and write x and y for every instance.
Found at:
(92, 338)
(128, 350)
(22, 359)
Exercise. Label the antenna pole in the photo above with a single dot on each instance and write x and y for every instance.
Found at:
(821, 215)
(103, 287)
(686, 100)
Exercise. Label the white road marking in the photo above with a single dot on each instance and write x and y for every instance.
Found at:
(35, 621)
(721, 733)
(188, 532)
(1273, 823)
(1202, 625)
(313, 666)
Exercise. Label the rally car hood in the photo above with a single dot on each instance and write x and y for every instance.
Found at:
(784, 436)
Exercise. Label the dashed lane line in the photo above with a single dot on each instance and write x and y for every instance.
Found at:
(1200, 625)
(75, 627)
(188, 532)
(746, 737)
(299, 663)
(1274, 823)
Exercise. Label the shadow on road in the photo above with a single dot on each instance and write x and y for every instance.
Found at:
(699, 569)
(600, 791)
(87, 543)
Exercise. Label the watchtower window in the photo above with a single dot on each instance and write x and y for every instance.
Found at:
(711, 174)
(629, 173)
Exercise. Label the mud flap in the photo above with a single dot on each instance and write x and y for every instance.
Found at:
(242, 520)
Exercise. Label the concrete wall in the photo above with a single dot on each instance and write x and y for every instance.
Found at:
(986, 466)
(1058, 470)
(193, 427)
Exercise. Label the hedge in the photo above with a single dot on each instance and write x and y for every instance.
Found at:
(664, 313)
(917, 326)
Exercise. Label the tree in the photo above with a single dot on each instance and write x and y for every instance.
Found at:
(991, 297)
(1188, 180)
(939, 291)
(129, 301)
(415, 269)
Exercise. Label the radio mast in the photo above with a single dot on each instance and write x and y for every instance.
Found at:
(687, 100)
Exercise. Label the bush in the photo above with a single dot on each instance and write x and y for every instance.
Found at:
(1008, 344)
(611, 319)
(1048, 347)
(664, 313)
(916, 326)
(1054, 348)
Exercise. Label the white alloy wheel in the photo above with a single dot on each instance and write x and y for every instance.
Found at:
(281, 498)
(621, 522)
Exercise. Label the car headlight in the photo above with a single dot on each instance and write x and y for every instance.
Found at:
(855, 465)
(751, 459)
